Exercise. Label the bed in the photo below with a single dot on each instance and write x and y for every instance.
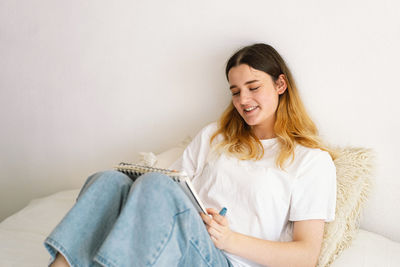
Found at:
(22, 234)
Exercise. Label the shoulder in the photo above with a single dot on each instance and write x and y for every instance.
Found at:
(305, 154)
(315, 159)
(202, 138)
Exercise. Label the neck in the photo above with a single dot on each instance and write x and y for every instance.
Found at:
(265, 130)
(263, 133)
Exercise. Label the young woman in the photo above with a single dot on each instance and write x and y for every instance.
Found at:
(262, 160)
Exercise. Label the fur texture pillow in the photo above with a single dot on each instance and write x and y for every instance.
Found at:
(353, 170)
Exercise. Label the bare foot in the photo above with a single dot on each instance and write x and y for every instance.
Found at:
(60, 261)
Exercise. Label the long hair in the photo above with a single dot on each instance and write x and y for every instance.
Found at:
(292, 123)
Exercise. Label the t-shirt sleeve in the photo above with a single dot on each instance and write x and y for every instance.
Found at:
(314, 191)
(194, 156)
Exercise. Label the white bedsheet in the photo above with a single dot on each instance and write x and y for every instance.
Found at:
(22, 235)
(370, 250)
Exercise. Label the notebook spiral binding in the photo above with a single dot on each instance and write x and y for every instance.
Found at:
(132, 169)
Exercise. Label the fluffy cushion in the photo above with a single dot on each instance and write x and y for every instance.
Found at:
(353, 169)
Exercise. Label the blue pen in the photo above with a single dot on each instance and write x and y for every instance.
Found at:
(223, 211)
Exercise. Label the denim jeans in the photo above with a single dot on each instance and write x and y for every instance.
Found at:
(150, 222)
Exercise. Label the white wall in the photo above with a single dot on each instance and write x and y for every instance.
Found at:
(86, 84)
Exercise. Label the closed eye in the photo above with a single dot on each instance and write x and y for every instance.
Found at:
(238, 92)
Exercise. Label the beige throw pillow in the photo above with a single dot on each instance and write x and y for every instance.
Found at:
(353, 169)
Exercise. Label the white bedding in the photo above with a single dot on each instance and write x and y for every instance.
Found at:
(22, 235)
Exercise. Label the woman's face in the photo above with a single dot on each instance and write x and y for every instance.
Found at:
(255, 96)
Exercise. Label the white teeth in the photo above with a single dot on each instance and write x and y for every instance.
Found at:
(250, 109)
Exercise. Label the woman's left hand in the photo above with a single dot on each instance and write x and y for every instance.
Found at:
(218, 229)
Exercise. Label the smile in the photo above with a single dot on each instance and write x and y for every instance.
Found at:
(250, 109)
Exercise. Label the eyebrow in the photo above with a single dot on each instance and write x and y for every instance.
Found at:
(248, 82)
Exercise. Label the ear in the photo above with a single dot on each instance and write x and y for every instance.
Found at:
(280, 84)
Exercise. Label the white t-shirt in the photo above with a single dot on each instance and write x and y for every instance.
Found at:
(262, 200)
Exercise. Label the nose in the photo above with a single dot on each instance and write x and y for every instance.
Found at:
(244, 97)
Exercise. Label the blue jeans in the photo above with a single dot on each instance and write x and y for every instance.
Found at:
(150, 222)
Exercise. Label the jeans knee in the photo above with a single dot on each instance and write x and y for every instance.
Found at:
(107, 179)
(152, 179)
(111, 177)
(159, 187)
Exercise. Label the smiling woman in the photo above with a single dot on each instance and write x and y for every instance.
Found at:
(277, 208)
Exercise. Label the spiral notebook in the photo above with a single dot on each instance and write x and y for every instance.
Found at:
(135, 170)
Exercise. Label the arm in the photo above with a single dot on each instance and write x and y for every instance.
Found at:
(302, 251)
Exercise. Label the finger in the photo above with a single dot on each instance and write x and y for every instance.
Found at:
(212, 225)
(217, 217)
(209, 221)
(220, 219)
(215, 214)
(214, 233)
(216, 225)
(206, 219)
(211, 211)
